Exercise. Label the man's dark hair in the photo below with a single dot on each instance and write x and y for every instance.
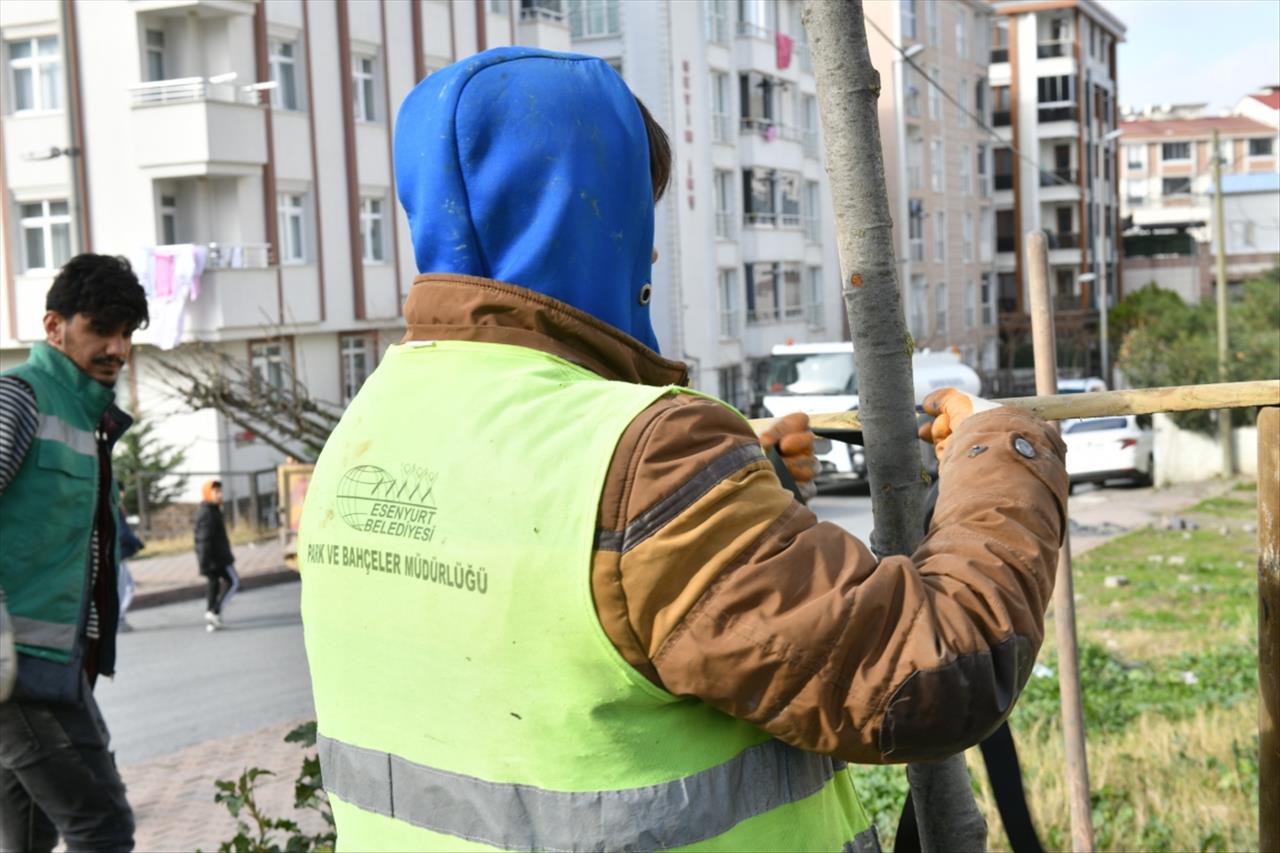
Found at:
(104, 289)
(659, 152)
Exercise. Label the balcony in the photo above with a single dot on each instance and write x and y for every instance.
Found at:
(1063, 240)
(1051, 49)
(1004, 182)
(1001, 118)
(1006, 243)
(999, 54)
(542, 10)
(1059, 177)
(193, 8)
(193, 126)
(1057, 112)
(747, 29)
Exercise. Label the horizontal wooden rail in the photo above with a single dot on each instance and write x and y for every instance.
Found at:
(1097, 404)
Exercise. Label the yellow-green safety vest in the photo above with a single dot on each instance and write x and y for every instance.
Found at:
(466, 695)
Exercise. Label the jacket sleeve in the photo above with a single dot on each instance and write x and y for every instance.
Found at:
(717, 585)
(19, 416)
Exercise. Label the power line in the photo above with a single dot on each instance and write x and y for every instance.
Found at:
(961, 107)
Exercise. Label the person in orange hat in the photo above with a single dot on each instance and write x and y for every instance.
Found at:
(213, 552)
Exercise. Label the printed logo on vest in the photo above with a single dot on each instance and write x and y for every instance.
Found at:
(373, 500)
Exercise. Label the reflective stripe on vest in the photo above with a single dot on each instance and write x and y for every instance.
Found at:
(54, 428)
(50, 635)
(522, 817)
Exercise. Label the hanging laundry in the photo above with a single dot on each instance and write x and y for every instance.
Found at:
(172, 281)
(163, 282)
(785, 44)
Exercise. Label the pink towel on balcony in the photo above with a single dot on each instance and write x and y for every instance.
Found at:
(785, 45)
(163, 276)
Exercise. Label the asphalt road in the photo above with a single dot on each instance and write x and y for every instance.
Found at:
(178, 685)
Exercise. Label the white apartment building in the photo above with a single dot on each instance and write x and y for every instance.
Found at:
(746, 244)
(1053, 80)
(129, 124)
(935, 118)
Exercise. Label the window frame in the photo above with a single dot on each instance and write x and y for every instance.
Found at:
(727, 297)
(45, 224)
(1268, 154)
(345, 361)
(168, 207)
(277, 59)
(373, 251)
(941, 322)
(364, 88)
(1165, 146)
(36, 64)
(266, 359)
(939, 236)
(910, 30)
(154, 51)
(1164, 186)
(937, 165)
(722, 185)
(579, 13)
(287, 211)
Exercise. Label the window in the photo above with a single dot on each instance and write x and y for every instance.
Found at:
(980, 100)
(940, 312)
(362, 88)
(908, 19)
(1225, 152)
(911, 84)
(155, 55)
(1001, 106)
(1135, 157)
(809, 124)
(1006, 234)
(1056, 90)
(1261, 147)
(724, 203)
(758, 106)
(757, 18)
(717, 20)
(813, 297)
(919, 307)
(762, 292)
(792, 292)
(729, 380)
(984, 174)
(720, 108)
(284, 73)
(593, 18)
(1175, 151)
(757, 195)
(1175, 186)
(730, 316)
(46, 233)
(915, 163)
(789, 199)
(915, 229)
(35, 67)
(966, 232)
(936, 174)
(935, 94)
(289, 216)
(371, 230)
(1003, 168)
(1241, 234)
(812, 229)
(962, 103)
(966, 169)
(962, 32)
(1000, 39)
(931, 16)
(988, 299)
(1135, 191)
(987, 235)
(939, 235)
(970, 304)
(266, 363)
(168, 220)
(497, 7)
(356, 353)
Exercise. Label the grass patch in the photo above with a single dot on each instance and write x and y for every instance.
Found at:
(1245, 486)
(1225, 505)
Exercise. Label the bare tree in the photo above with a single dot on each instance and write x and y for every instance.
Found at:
(284, 415)
(848, 88)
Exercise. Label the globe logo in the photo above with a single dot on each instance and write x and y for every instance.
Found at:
(358, 491)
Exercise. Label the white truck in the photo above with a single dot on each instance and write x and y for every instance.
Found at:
(821, 377)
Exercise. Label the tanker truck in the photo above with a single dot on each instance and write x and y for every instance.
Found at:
(821, 377)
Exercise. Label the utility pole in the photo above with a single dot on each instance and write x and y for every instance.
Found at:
(1220, 239)
(848, 90)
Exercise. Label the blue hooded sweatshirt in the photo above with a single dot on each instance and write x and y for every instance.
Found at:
(532, 168)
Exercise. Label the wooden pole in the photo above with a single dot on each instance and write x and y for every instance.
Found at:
(1219, 237)
(1064, 607)
(1099, 404)
(1269, 629)
(848, 92)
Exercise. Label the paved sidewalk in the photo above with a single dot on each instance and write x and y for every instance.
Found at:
(172, 797)
(176, 577)
(1098, 514)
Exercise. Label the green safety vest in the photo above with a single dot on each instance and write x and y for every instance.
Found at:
(466, 695)
(47, 512)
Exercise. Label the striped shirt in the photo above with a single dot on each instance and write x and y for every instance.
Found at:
(19, 419)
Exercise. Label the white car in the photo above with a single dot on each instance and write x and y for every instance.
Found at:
(1111, 448)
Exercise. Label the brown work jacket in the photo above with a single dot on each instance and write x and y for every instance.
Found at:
(715, 583)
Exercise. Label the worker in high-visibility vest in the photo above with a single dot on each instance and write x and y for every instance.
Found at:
(553, 599)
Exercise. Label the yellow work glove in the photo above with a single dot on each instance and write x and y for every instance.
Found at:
(794, 442)
(950, 408)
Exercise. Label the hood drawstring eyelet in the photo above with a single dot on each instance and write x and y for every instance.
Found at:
(646, 293)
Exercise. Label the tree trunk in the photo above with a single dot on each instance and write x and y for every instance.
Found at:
(848, 89)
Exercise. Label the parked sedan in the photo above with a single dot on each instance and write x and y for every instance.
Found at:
(1114, 448)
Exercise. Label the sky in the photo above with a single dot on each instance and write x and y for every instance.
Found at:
(1196, 51)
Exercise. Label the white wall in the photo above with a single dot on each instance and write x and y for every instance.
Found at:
(1184, 456)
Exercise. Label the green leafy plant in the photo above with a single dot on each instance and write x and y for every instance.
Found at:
(258, 832)
(141, 459)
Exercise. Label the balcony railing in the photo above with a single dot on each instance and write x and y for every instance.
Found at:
(755, 220)
(1001, 118)
(542, 10)
(1063, 240)
(746, 29)
(1004, 182)
(1059, 177)
(186, 90)
(999, 54)
(1065, 112)
(721, 128)
(1006, 244)
(1050, 49)
(239, 256)
(1067, 302)
(1007, 304)
(761, 315)
(789, 220)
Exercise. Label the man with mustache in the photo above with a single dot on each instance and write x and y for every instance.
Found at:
(58, 525)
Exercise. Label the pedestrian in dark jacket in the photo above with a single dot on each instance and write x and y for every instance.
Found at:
(213, 552)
